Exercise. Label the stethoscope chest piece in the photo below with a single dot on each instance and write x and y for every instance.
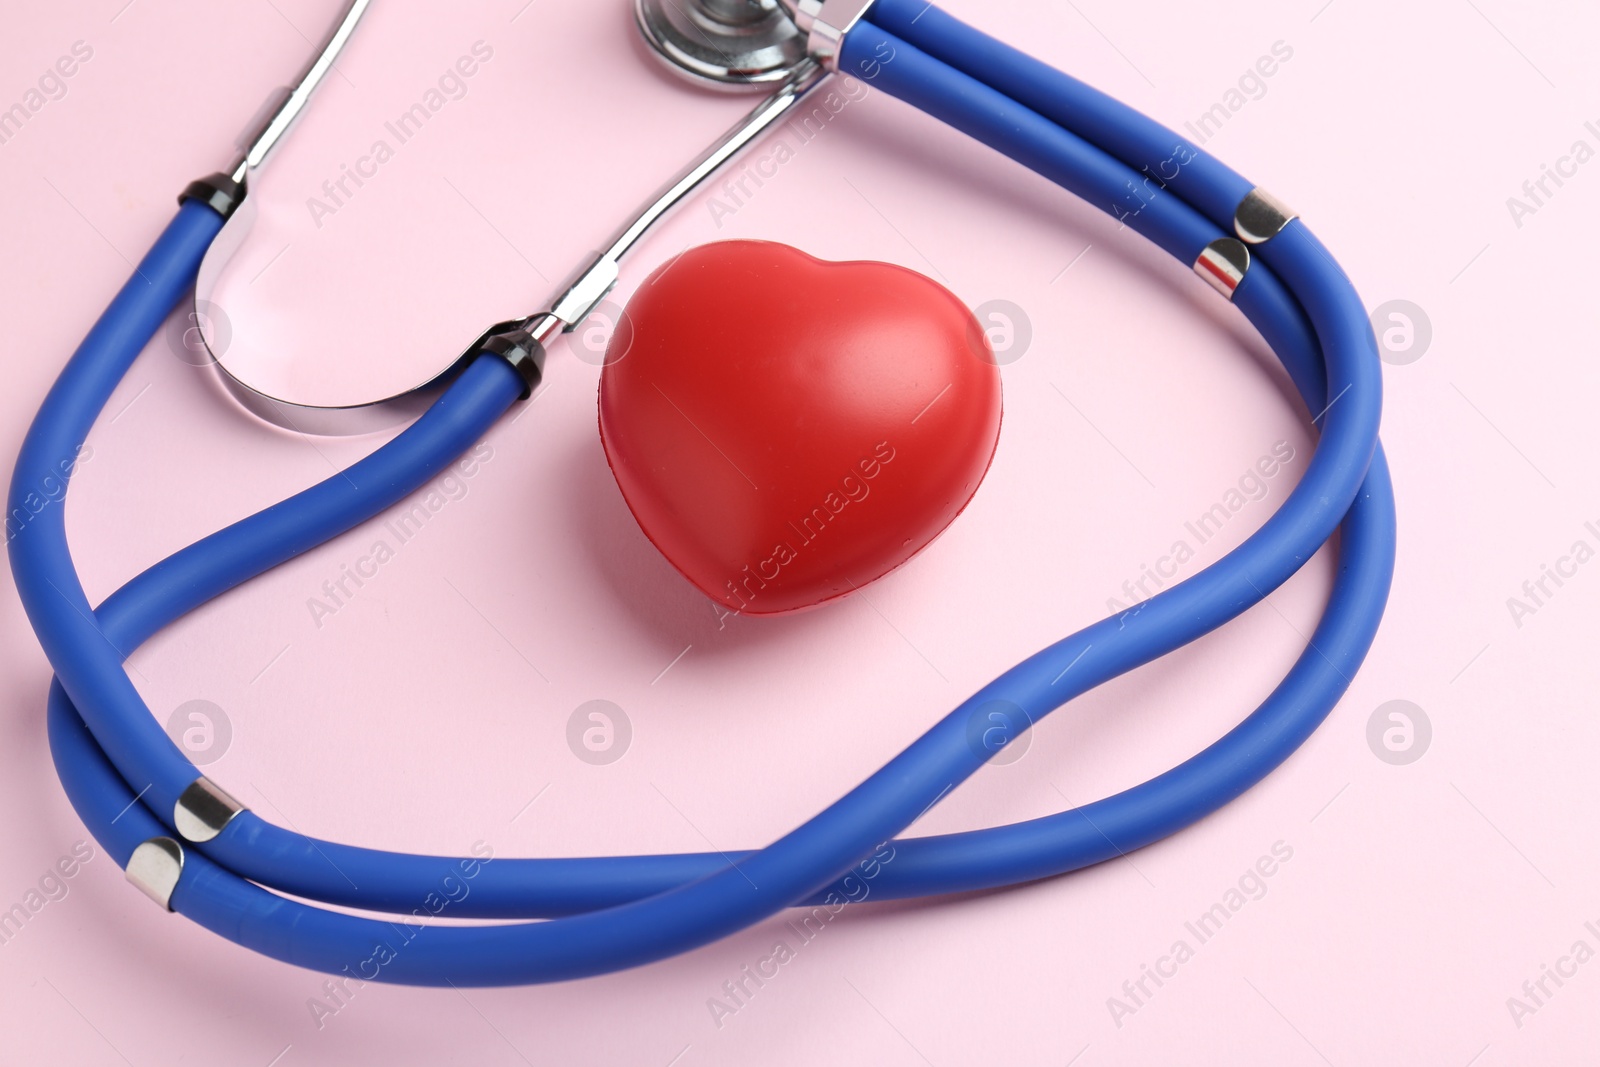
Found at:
(733, 43)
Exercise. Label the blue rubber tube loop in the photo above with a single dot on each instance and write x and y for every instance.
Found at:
(41, 562)
(540, 888)
(325, 870)
(1120, 131)
(684, 915)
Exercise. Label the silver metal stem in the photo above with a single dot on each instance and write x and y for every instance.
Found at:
(521, 336)
(284, 107)
(595, 280)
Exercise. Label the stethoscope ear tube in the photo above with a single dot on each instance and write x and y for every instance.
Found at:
(629, 910)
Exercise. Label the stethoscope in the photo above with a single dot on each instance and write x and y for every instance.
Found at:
(193, 848)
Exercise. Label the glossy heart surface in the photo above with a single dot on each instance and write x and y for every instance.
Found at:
(786, 429)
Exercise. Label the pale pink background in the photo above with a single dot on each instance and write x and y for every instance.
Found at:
(1419, 898)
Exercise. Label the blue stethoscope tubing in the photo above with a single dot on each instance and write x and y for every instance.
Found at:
(122, 773)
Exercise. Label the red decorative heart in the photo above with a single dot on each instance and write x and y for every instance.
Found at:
(787, 429)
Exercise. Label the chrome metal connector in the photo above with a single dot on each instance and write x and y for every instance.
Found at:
(203, 810)
(1261, 216)
(825, 23)
(155, 867)
(1223, 264)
